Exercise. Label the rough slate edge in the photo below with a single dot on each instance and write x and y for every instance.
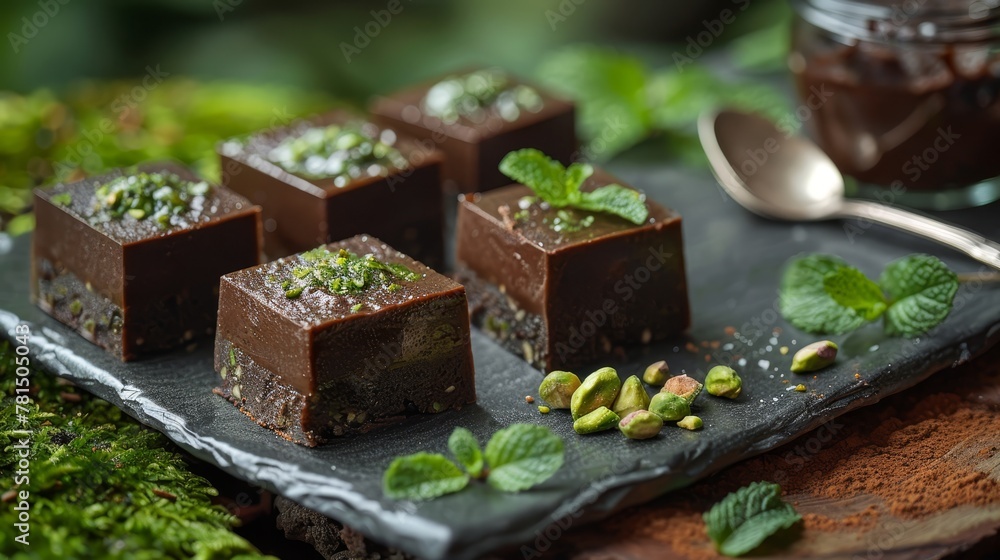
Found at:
(719, 237)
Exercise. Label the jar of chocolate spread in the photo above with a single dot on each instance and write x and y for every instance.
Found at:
(911, 95)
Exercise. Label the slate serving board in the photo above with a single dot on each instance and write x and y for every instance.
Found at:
(734, 264)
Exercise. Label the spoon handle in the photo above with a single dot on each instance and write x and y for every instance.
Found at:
(960, 239)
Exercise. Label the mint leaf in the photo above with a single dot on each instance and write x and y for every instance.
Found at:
(465, 448)
(851, 288)
(921, 289)
(576, 174)
(745, 518)
(422, 476)
(804, 301)
(523, 456)
(560, 187)
(618, 200)
(538, 171)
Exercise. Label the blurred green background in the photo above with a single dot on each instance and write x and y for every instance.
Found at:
(92, 84)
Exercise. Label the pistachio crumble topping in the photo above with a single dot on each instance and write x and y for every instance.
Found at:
(140, 196)
(343, 153)
(344, 273)
(474, 95)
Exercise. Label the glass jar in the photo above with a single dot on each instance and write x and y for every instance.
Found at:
(908, 94)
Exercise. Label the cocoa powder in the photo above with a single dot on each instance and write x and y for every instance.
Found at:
(919, 453)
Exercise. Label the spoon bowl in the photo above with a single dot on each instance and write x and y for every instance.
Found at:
(780, 175)
(768, 171)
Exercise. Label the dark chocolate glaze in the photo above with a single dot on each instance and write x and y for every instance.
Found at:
(313, 368)
(405, 208)
(612, 283)
(474, 150)
(161, 282)
(883, 123)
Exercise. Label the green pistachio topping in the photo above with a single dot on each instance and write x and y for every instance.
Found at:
(344, 273)
(566, 222)
(343, 153)
(157, 196)
(62, 199)
(475, 95)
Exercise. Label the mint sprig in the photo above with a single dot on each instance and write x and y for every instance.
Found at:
(850, 288)
(465, 448)
(560, 186)
(520, 457)
(804, 301)
(422, 476)
(747, 517)
(823, 294)
(922, 289)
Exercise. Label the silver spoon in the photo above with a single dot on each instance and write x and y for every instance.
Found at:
(786, 177)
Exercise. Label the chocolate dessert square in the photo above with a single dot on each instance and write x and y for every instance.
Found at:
(336, 176)
(476, 118)
(132, 259)
(341, 339)
(565, 287)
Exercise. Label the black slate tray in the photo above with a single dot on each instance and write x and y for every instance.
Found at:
(734, 263)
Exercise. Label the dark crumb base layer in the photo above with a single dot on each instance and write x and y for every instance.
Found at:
(498, 315)
(68, 300)
(267, 400)
(526, 334)
(161, 325)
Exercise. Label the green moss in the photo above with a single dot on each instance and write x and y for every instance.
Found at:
(102, 484)
(87, 132)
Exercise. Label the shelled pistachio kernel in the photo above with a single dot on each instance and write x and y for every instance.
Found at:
(597, 420)
(669, 407)
(723, 381)
(815, 356)
(544, 409)
(641, 424)
(557, 388)
(598, 389)
(631, 397)
(690, 423)
(683, 386)
(657, 373)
